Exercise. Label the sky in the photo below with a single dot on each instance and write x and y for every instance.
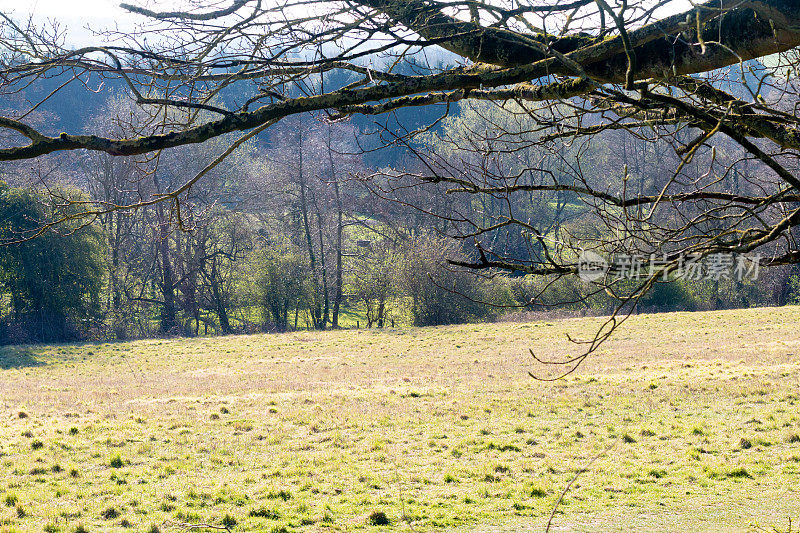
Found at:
(65, 8)
(75, 15)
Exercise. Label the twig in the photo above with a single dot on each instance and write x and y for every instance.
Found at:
(581, 471)
(190, 527)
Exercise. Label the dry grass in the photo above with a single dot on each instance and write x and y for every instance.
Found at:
(441, 427)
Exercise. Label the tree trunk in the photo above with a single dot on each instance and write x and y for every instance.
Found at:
(219, 304)
(337, 295)
(168, 311)
(325, 297)
(315, 306)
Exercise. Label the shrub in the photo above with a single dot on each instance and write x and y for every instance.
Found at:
(440, 293)
(282, 283)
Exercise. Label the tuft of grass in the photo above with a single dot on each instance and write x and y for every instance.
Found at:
(73, 430)
(738, 473)
(282, 494)
(628, 439)
(242, 425)
(263, 512)
(228, 521)
(110, 514)
(22, 415)
(81, 529)
(537, 492)
(116, 461)
(745, 444)
(11, 499)
(378, 518)
(502, 447)
(37, 445)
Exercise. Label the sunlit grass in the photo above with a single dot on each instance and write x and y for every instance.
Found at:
(439, 427)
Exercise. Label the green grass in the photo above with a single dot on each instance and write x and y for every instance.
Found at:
(439, 427)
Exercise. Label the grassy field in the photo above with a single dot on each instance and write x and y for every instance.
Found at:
(429, 429)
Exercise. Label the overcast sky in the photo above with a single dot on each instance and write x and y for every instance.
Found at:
(75, 15)
(65, 8)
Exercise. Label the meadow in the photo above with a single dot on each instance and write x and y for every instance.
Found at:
(412, 429)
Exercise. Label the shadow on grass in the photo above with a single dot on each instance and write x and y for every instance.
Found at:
(15, 357)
